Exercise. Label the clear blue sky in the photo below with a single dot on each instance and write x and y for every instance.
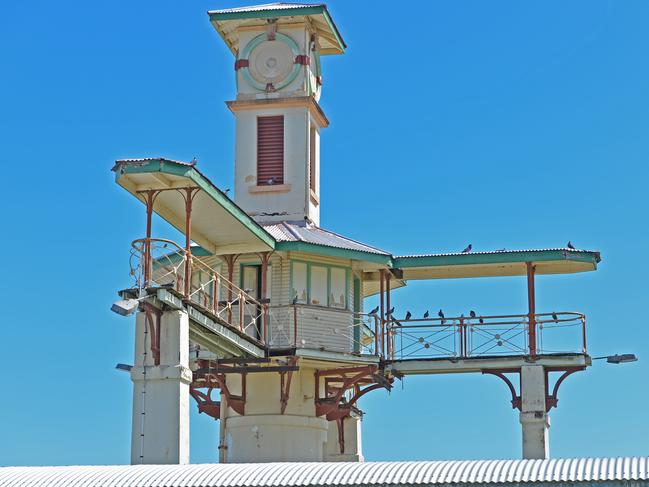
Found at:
(504, 124)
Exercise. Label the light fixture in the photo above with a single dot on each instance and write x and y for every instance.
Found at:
(622, 358)
(124, 367)
(125, 307)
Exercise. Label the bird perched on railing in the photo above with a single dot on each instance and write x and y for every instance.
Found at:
(467, 249)
(441, 315)
(570, 246)
(426, 315)
(374, 311)
(390, 311)
(472, 314)
(555, 317)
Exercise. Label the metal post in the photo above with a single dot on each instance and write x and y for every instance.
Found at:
(265, 257)
(215, 293)
(149, 200)
(531, 303)
(189, 194)
(382, 310)
(387, 303)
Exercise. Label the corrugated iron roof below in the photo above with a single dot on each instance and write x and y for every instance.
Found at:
(307, 233)
(620, 471)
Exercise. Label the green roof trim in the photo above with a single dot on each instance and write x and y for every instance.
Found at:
(333, 252)
(182, 169)
(216, 16)
(497, 258)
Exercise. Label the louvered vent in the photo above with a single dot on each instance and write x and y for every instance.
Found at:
(270, 150)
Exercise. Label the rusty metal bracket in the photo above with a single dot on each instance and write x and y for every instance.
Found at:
(552, 400)
(516, 398)
(205, 402)
(285, 385)
(153, 320)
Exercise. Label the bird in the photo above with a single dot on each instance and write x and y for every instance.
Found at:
(271, 181)
(426, 314)
(472, 314)
(397, 323)
(481, 321)
(227, 190)
(374, 311)
(193, 161)
(441, 314)
(570, 246)
(408, 315)
(554, 316)
(390, 311)
(467, 249)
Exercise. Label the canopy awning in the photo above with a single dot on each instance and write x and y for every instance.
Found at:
(217, 223)
(497, 263)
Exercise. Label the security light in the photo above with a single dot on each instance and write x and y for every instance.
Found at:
(618, 359)
(124, 367)
(125, 307)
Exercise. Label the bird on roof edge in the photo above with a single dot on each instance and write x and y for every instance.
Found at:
(467, 249)
(570, 246)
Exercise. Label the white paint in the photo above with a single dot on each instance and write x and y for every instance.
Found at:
(353, 445)
(535, 422)
(160, 428)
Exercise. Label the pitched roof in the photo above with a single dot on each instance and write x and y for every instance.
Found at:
(308, 233)
(580, 471)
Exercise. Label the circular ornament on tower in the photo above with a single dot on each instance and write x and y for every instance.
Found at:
(271, 63)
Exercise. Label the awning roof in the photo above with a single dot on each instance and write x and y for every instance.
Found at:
(227, 21)
(496, 263)
(218, 224)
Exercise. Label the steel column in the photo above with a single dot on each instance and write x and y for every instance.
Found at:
(531, 303)
(382, 310)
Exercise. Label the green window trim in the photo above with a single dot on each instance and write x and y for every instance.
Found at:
(308, 283)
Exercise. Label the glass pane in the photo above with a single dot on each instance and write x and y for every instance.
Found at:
(250, 280)
(337, 299)
(299, 282)
(319, 285)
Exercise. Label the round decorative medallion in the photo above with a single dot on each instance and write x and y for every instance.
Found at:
(271, 63)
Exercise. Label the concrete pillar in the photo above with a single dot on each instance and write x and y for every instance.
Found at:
(535, 421)
(352, 436)
(263, 434)
(160, 433)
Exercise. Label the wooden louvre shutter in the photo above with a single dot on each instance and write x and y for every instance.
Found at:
(270, 150)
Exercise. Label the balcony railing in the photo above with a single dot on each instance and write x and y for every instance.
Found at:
(481, 336)
(163, 263)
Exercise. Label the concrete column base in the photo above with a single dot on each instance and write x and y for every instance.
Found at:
(352, 437)
(536, 441)
(275, 438)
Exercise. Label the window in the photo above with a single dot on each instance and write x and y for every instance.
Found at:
(319, 285)
(312, 159)
(270, 150)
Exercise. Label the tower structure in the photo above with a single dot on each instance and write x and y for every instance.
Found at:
(258, 315)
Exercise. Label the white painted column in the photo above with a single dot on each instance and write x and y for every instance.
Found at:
(535, 421)
(353, 444)
(160, 433)
(263, 434)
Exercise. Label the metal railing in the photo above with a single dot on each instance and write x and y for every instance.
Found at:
(321, 328)
(483, 336)
(164, 263)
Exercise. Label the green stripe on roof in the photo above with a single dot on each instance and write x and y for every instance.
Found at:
(496, 258)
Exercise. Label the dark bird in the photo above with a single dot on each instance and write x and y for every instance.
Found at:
(570, 246)
(472, 314)
(481, 321)
(374, 311)
(441, 314)
(467, 249)
(408, 315)
(226, 191)
(397, 323)
(426, 315)
(555, 317)
(390, 311)
(193, 161)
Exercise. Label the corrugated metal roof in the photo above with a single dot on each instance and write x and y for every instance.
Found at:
(494, 252)
(305, 232)
(148, 159)
(474, 472)
(267, 6)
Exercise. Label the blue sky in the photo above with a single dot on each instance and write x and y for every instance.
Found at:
(503, 124)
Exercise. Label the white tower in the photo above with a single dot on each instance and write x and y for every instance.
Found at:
(278, 119)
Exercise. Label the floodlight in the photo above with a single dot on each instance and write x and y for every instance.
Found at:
(124, 367)
(125, 307)
(622, 358)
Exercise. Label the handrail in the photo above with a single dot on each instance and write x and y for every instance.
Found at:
(466, 336)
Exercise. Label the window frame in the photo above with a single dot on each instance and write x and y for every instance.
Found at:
(308, 284)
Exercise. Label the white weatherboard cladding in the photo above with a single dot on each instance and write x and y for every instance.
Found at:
(629, 471)
(293, 203)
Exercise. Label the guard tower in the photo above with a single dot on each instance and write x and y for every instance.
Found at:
(258, 314)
